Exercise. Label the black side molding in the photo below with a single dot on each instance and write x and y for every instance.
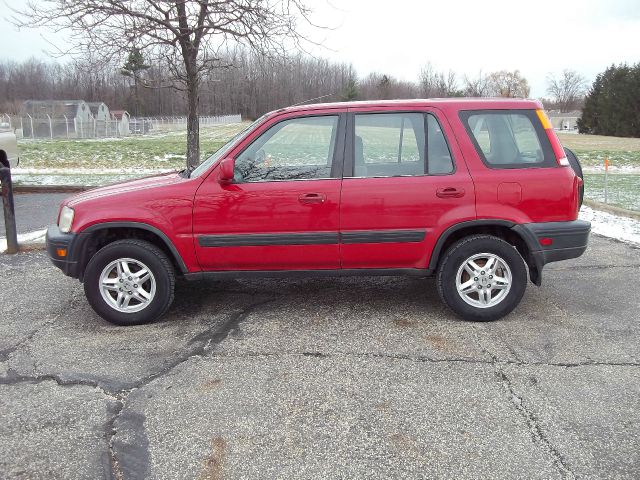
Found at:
(385, 236)
(264, 239)
(319, 238)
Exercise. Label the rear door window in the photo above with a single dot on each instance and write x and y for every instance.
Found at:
(389, 144)
(509, 138)
(394, 144)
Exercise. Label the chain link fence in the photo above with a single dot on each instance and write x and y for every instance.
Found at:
(73, 128)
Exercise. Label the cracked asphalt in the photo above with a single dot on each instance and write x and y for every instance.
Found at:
(324, 378)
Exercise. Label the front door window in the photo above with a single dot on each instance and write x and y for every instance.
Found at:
(295, 149)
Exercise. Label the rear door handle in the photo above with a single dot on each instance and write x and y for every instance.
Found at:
(450, 192)
(312, 198)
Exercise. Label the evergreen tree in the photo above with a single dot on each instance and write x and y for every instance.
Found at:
(133, 68)
(350, 92)
(612, 106)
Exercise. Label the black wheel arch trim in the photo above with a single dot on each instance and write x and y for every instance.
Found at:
(535, 266)
(437, 249)
(141, 226)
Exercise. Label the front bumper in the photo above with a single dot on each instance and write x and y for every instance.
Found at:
(553, 242)
(71, 243)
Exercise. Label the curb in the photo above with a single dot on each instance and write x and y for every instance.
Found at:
(612, 209)
(50, 188)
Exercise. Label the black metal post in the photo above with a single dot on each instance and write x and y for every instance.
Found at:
(9, 211)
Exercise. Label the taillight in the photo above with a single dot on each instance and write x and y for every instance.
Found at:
(558, 151)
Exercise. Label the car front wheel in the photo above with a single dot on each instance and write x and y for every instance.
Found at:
(129, 282)
(482, 278)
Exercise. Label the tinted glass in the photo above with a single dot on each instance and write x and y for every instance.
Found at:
(438, 153)
(389, 144)
(507, 138)
(300, 148)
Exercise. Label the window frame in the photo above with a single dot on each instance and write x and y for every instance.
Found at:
(349, 158)
(337, 160)
(549, 161)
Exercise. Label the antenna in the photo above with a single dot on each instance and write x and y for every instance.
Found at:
(311, 100)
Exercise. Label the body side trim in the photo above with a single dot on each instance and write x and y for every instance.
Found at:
(364, 272)
(320, 238)
(383, 236)
(265, 239)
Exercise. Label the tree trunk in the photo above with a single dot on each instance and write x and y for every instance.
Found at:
(193, 124)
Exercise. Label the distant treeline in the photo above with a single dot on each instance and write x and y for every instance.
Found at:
(251, 87)
(612, 106)
(247, 84)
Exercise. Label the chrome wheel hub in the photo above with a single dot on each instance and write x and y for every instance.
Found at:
(483, 280)
(127, 285)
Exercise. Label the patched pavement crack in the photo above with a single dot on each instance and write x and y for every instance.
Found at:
(6, 353)
(200, 345)
(206, 341)
(14, 379)
(591, 267)
(534, 427)
(413, 358)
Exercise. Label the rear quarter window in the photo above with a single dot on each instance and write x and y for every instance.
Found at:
(509, 138)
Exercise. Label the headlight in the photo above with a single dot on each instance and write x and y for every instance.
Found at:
(66, 219)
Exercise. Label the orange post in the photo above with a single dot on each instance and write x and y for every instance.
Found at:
(606, 180)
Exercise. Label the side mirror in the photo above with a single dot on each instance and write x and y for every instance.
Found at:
(227, 167)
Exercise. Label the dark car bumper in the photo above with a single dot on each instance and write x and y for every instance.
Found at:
(57, 242)
(553, 242)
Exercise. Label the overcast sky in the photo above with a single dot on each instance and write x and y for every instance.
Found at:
(468, 36)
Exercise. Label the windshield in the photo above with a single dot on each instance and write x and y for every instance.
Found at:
(223, 150)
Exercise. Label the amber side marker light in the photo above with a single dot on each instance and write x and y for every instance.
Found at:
(558, 151)
(61, 252)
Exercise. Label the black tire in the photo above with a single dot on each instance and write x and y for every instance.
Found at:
(577, 168)
(458, 254)
(151, 256)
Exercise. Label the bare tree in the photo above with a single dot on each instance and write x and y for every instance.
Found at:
(567, 90)
(187, 36)
(476, 86)
(438, 84)
(509, 84)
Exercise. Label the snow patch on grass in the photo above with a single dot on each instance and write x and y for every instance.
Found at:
(612, 226)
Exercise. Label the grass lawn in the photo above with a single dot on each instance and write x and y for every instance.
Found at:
(165, 150)
(623, 153)
(623, 189)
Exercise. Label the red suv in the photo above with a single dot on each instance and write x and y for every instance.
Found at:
(473, 191)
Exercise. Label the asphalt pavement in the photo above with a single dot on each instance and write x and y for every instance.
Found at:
(324, 378)
(34, 211)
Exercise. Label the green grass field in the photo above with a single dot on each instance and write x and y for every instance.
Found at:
(623, 153)
(162, 151)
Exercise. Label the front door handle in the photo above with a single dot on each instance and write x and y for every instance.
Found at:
(450, 192)
(312, 198)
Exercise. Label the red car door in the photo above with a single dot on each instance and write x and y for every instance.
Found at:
(281, 212)
(405, 182)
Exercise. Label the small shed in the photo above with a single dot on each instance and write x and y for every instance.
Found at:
(102, 119)
(564, 120)
(45, 118)
(99, 111)
(121, 121)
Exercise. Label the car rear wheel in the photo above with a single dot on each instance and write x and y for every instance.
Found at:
(129, 282)
(482, 278)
